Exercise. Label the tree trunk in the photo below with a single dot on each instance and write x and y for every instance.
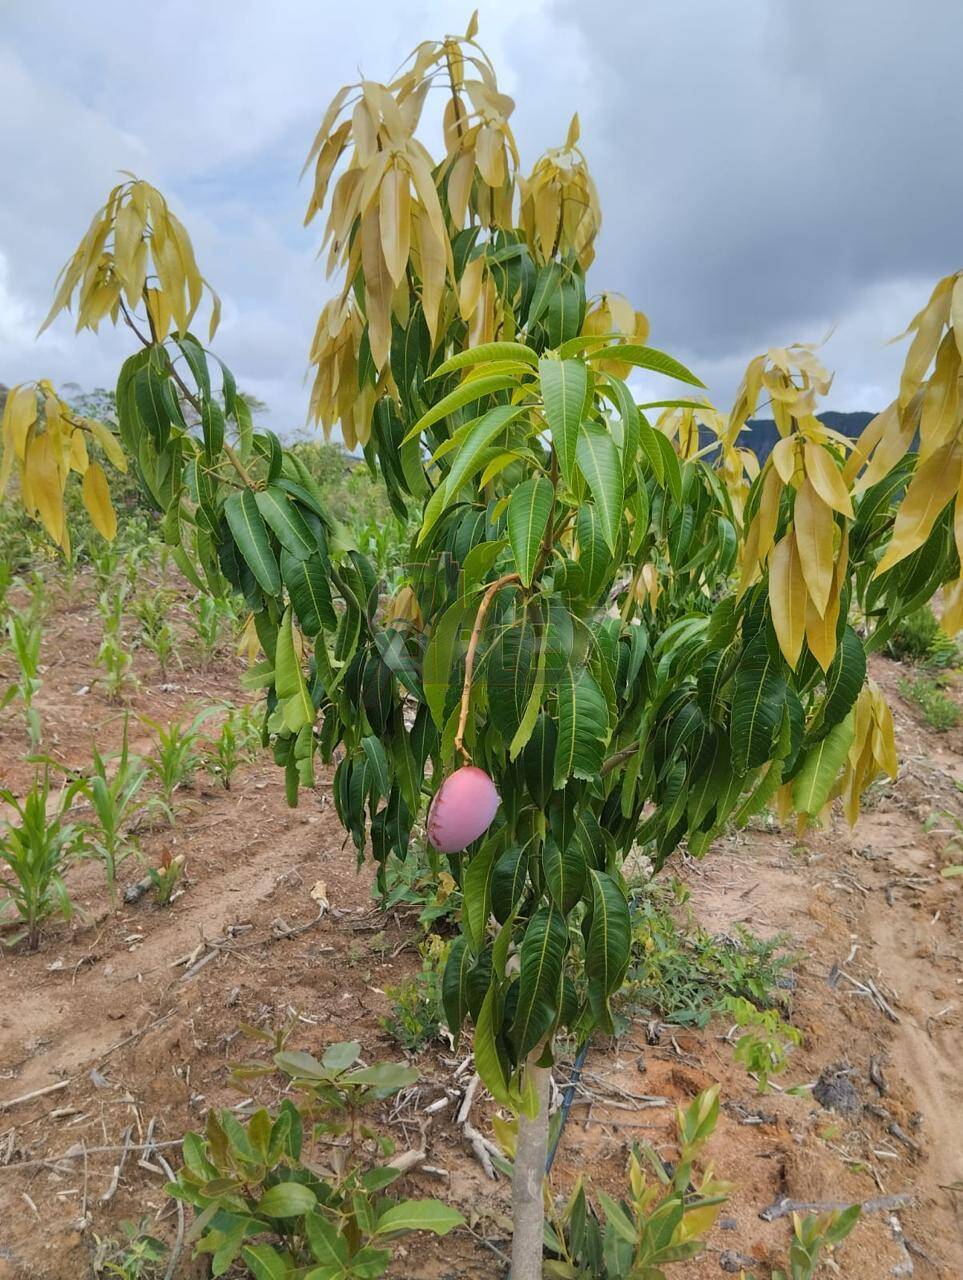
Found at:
(528, 1206)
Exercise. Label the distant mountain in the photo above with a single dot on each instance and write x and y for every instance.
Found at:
(761, 433)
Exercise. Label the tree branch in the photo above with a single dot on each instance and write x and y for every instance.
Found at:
(483, 608)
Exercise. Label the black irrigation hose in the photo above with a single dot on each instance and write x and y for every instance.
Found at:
(567, 1097)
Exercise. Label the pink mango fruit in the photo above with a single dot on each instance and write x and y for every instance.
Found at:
(462, 809)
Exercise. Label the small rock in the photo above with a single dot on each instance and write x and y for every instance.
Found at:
(835, 1091)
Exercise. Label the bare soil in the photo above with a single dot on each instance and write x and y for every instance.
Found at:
(117, 1012)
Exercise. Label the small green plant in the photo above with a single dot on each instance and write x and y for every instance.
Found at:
(24, 637)
(156, 632)
(810, 1236)
(937, 707)
(918, 637)
(105, 563)
(113, 655)
(236, 744)
(136, 1257)
(685, 974)
(417, 1013)
(264, 1204)
(661, 1222)
(35, 850)
(112, 792)
(176, 756)
(764, 1047)
(207, 619)
(418, 883)
(165, 876)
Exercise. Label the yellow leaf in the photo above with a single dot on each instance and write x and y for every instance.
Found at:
(951, 620)
(821, 628)
(827, 479)
(394, 201)
(928, 325)
(378, 288)
(108, 442)
(940, 416)
(96, 494)
(490, 155)
(787, 598)
(469, 287)
(933, 485)
(956, 312)
(432, 271)
(815, 527)
(42, 472)
(784, 458)
(459, 188)
(78, 452)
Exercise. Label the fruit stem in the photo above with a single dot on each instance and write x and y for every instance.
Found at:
(476, 631)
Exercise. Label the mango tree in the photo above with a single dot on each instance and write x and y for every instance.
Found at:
(619, 628)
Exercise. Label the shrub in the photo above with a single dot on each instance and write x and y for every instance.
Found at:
(938, 709)
(263, 1204)
(919, 638)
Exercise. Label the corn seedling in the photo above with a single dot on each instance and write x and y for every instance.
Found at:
(112, 792)
(176, 756)
(156, 632)
(24, 637)
(164, 877)
(35, 849)
(207, 619)
(236, 744)
(113, 656)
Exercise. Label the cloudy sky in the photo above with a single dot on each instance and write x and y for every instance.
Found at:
(767, 169)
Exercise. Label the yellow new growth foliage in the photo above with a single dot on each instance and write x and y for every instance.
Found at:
(135, 249)
(872, 752)
(46, 442)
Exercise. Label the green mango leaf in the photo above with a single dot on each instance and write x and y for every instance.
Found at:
(250, 533)
(583, 726)
(286, 1200)
(542, 954)
(477, 891)
(454, 984)
(607, 949)
(285, 521)
(289, 683)
(465, 393)
(508, 881)
(821, 767)
(529, 511)
(483, 354)
(564, 872)
(419, 1215)
(646, 358)
(310, 592)
(844, 679)
(565, 394)
(469, 456)
(445, 650)
(757, 706)
(598, 460)
(264, 1262)
(327, 1244)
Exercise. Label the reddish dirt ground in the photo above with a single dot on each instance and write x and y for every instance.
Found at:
(131, 1033)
